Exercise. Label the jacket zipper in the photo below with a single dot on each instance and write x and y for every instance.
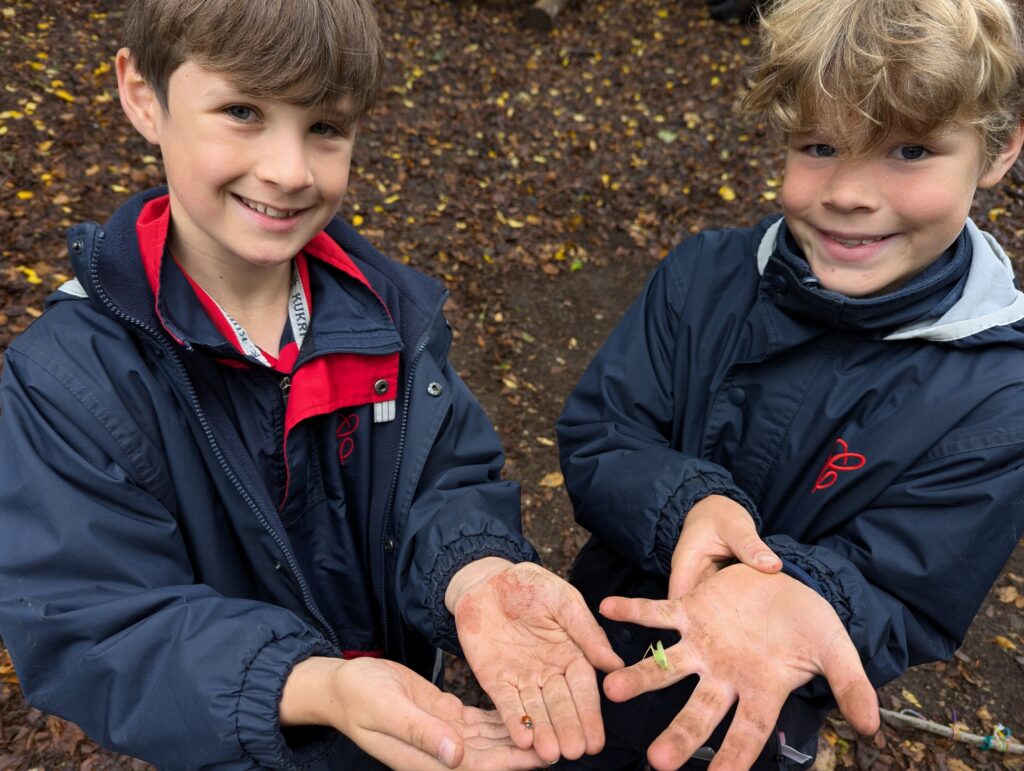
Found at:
(197, 408)
(394, 483)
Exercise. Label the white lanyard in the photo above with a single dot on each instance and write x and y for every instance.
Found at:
(298, 317)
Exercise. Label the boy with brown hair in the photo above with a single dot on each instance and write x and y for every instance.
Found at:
(244, 498)
(844, 379)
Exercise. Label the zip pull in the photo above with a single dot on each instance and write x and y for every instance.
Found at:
(285, 384)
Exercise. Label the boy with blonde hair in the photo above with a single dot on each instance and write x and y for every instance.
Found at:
(844, 379)
(245, 500)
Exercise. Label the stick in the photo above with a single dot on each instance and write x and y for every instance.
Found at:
(984, 742)
(542, 15)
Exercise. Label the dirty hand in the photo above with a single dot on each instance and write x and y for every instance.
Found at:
(398, 717)
(533, 645)
(717, 531)
(751, 637)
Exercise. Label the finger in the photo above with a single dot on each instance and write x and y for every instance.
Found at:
(750, 730)
(582, 682)
(690, 729)
(579, 623)
(562, 709)
(647, 675)
(482, 754)
(658, 614)
(542, 732)
(853, 692)
(410, 724)
(509, 704)
(690, 566)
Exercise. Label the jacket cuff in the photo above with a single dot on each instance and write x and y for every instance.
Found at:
(822, 578)
(258, 717)
(450, 561)
(693, 490)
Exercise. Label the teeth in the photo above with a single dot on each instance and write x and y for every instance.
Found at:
(856, 241)
(278, 214)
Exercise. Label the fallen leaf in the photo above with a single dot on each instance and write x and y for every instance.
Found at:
(1005, 643)
(554, 479)
(911, 698)
(727, 193)
(1007, 593)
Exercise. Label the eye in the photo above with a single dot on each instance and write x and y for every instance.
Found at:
(331, 130)
(910, 152)
(241, 113)
(820, 150)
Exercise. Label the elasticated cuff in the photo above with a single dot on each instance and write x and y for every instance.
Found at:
(827, 584)
(258, 721)
(450, 561)
(693, 490)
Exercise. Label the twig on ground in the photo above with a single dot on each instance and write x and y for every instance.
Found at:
(998, 742)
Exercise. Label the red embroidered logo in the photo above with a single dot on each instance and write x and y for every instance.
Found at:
(346, 444)
(841, 459)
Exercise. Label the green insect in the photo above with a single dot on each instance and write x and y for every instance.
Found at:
(658, 651)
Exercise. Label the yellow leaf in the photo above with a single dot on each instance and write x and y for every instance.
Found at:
(26, 195)
(1005, 643)
(30, 275)
(727, 193)
(1007, 593)
(357, 220)
(60, 93)
(510, 383)
(554, 479)
(911, 698)
(545, 441)
(119, 189)
(392, 199)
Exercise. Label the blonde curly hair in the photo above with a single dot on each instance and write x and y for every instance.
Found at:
(866, 69)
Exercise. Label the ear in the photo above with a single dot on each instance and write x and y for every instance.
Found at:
(138, 99)
(1005, 159)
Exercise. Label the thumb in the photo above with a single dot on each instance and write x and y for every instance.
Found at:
(579, 623)
(413, 726)
(853, 692)
(749, 549)
(690, 566)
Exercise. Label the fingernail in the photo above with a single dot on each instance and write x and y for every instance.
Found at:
(447, 753)
(766, 559)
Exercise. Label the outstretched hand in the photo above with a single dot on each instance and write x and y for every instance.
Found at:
(752, 638)
(717, 531)
(533, 645)
(399, 717)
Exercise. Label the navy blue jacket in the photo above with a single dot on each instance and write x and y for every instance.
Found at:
(152, 589)
(878, 442)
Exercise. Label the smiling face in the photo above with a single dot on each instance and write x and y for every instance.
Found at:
(251, 180)
(870, 223)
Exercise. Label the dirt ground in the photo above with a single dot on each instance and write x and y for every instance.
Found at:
(541, 176)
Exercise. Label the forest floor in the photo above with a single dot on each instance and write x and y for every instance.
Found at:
(541, 176)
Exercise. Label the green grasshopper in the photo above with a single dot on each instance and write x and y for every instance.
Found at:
(658, 651)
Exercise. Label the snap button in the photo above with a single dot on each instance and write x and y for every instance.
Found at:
(811, 282)
(778, 283)
(737, 396)
(380, 387)
(435, 389)
(389, 544)
(77, 246)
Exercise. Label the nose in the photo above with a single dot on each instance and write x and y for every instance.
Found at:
(853, 186)
(285, 163)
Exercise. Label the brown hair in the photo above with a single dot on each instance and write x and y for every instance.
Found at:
(873, 67)
(302, 51)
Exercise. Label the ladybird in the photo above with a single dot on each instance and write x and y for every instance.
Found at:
(527, 721)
